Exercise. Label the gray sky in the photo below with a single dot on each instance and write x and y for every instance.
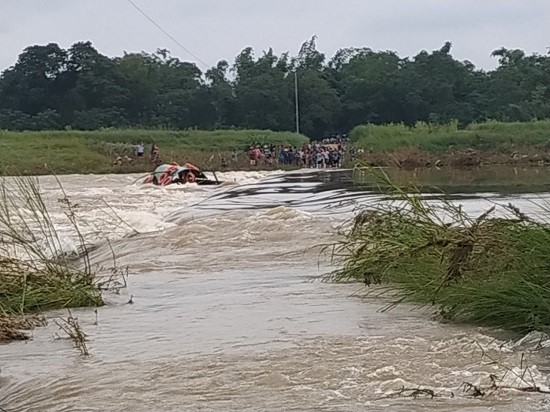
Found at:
(220, 29)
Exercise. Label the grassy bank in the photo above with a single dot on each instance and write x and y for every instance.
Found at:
(484, 270)
(493, 136)
(36, 272)
(36, 153)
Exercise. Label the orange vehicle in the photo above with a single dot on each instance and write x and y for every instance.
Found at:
(173, 173)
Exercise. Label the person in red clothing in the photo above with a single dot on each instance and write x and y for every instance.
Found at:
(155, 158)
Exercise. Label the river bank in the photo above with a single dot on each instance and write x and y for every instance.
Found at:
(411, 158)
(427, 145)
(113, 150)
(422, 147)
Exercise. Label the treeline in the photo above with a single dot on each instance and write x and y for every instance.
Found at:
(51, 88)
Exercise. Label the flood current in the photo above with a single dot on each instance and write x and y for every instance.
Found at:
(229, 311)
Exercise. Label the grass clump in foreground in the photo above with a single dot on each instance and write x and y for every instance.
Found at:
(37, 272)
(484, 270)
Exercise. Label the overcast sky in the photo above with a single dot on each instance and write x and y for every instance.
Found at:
(219, 29)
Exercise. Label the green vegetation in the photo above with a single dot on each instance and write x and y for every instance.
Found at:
(485, 270)
(50, 88)
(488, 136)
(36, 272)
(60, 152)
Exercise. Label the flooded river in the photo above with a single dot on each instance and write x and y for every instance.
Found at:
(229, 313)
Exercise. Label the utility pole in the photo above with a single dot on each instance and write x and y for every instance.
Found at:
(296, 101)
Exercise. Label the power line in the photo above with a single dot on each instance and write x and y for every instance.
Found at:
(167, 34)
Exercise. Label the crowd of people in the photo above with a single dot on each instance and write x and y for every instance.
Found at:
(336, 138)
(329, 153)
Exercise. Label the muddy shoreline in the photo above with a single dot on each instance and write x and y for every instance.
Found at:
(411, 158)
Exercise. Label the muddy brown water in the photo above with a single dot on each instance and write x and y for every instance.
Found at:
(229, 312)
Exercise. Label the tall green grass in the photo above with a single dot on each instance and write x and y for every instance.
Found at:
(61, 152)
(492, 135)
(484, 270)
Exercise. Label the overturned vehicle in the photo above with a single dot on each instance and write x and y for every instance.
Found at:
(173, 173)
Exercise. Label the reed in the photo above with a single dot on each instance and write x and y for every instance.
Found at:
(70, 326)
(485, 270)
(37, 272)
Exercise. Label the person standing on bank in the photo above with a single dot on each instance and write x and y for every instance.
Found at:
(155, 153)
(139, 149)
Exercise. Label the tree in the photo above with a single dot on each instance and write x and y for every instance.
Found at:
(92, 81)
(29, 84)
(519, 87)
(440, 88)
(372, 89)
(221, 94)
(141, 78)
(49, 87)
(309, 57)
(263, 98)
(318, 103)
(182, 94)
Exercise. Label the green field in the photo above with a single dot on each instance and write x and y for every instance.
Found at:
(489, 136)
(62, 152)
